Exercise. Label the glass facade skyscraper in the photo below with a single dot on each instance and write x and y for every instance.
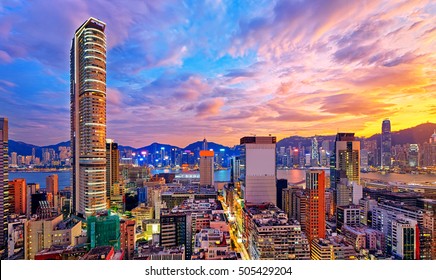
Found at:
(4, 186)
(88, 117)
(386, 144)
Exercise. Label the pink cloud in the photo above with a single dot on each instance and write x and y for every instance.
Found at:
(209, 107)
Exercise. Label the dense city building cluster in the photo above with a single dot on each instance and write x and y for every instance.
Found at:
(118, 208)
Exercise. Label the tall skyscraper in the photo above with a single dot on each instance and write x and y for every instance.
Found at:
(18, 199)
(386, 143)
(413, 155)
(52, 184)
(345, 162)
(4, 186)
(314, 152)
(315, 218)
(258, 169)
(347, 158)
(206, 166)
(14, 158)
(429, 151)
(235, 166)
(112, 165)
(128, 237)
(88, 117)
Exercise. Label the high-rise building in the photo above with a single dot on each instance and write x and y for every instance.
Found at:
(206, 167)
(344, 193)
(386, 144)
(18, 190)
(127, 240)
(4, 186)
(429, 151)
(404, 236)
(315, 152)
(364, 159)
(315, 218)
(52, 184)
(112, 165)
(211, 244)
(175, 231)
(347, 216)
(52, 188)
(331, 249)
(345, 162)
(235, 169)
(413, 155)
(14, 159)
(258, 169)
(104, 230)
(270, 235)
(366, 206)
(383, 216)
(347, 156)
(44, 233)
(281, 185)
(88, 117)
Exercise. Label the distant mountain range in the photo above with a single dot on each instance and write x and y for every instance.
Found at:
(414, 135)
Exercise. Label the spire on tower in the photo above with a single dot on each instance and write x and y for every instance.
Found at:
(204, 144)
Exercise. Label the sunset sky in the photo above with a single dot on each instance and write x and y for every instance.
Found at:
(181, 70)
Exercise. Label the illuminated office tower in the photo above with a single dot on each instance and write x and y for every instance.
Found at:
(206, 166)
(4, 186)
(88, 117)
(14, 161)
(348, 156)
(128, 238)
(429, 151)
(103, 229)
(18, 196)
(112, 165)
(270, 235)
(175, 230)
(235, 169)
(315, 218)
(404, 239)
(345, 162)
(52, 184)
(347, 216)
(315, 152)
(386, 144)
(43, 233)
(413, 155)
(258, 169)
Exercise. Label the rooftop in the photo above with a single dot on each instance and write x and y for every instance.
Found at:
(66, 224)
(147, 250)
(201, 204)
(268, 215)
(98, 253)
(189, 190)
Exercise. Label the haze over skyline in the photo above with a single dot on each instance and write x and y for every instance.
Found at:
(224, 69)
